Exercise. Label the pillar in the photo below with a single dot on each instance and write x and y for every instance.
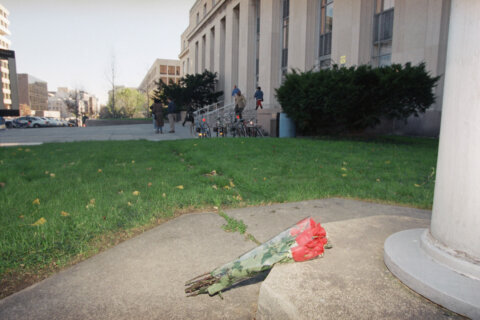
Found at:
(443, 263)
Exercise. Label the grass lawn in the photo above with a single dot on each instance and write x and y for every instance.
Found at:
(63, 202)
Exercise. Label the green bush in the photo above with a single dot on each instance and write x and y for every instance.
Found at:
(345, 100)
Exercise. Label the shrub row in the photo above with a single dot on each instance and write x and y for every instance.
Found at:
(345, 100)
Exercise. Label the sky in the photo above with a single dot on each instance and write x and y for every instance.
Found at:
(73, 43)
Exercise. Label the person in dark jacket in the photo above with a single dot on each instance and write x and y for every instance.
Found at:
(259, 98)
(172, 109)
(189, 118)
(157, 111)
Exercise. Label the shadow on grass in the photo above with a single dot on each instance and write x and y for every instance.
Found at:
(387, 139)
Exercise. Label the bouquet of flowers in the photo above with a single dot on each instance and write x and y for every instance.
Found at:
(304, 241)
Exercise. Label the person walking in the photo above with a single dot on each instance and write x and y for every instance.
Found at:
(153, 115)
(240, 103)
(84, 120)
(235, 91)
(259, 98)
(189, 118)
(171, 115)
(157, 112)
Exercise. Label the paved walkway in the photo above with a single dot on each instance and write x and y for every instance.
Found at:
(143, 278)
(30, 136)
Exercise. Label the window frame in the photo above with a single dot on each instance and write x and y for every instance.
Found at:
(382, 33)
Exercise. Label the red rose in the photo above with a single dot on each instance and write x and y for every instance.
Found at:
(310, 242)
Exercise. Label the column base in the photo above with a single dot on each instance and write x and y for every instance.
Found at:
(408, 261)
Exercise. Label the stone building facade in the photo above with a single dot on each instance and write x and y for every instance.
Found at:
(253, 43)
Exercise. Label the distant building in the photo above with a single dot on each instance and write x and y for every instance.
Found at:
(164, 69)
(86, 103)
(32, 92)
(8, 80)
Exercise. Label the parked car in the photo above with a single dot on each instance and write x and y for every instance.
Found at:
(72, 123)
(21, 122)
(30, 122)
(8, 123)
(54, 122)
(2, 123)
(37, 122)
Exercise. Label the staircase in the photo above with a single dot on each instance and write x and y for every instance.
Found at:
(226, 113)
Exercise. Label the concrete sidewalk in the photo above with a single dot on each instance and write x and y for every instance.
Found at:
(12, 137)
(143, 278)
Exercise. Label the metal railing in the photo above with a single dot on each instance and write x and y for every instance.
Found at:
(213, 112)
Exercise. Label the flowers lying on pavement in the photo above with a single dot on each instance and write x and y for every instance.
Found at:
(304, 241)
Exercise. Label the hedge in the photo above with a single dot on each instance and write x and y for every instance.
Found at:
(345, 100)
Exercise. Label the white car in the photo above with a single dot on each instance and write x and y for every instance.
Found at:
(37, 122)
(54, 122)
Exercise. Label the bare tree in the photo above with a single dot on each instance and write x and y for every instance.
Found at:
(72, 103)
(111, 77)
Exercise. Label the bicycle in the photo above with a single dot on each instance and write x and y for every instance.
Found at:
(237, 128)
(253, 130)
(203, 129)
(220, 128)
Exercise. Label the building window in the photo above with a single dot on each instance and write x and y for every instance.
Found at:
(285, 21)
(213, 3)
(198, 17)
(325, 34)
(212, 49)
(177, 71)
(171, 70)
(257, 41)
(383, 32)
(204, 9)
(196, 57)
(163, 69)
(204, 53)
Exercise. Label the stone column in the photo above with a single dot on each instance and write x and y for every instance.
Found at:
(246, 60)
(443, 262)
